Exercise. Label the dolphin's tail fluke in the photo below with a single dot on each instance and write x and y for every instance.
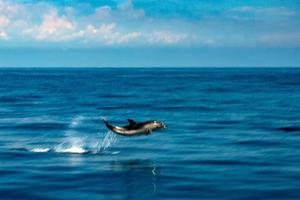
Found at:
(107, 124)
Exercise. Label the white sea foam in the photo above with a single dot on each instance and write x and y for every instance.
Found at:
(40, 150)
(72, 149)
(71, 145)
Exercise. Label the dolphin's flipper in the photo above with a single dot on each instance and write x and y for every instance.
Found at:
(148, 131)
(131, 122)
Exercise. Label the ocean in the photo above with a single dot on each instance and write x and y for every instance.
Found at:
(233, 133)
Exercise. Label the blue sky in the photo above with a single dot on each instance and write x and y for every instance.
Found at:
(149, 33)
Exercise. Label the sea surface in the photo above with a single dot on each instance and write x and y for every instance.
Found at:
(233, 133)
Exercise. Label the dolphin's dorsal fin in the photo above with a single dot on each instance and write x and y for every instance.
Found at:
(131, 122)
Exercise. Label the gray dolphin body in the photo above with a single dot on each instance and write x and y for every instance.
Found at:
(133, 129)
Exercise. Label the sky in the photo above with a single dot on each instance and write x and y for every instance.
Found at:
(145, 33)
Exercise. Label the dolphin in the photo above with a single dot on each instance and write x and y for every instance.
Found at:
(134, 128)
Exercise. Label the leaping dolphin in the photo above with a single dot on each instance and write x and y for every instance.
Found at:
(134, 128)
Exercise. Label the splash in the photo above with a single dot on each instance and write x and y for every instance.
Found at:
(72, 145)
(76, 143)
(40, 150)
(72, 149)
(73, 142)
(108, 140)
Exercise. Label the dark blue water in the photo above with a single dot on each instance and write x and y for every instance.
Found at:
(232, 134)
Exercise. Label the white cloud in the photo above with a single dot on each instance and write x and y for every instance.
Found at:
(103, 12)
(106, 34)
(127, 10)
(8, 8)
(280, 39)
(104, 30)
(3, 35)
(166, 37)
(209, 41)
(53, 28)
(262, 11)
(125, 38)
(127, 25)
(4, 21)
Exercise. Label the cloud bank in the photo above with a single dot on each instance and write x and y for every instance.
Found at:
(138, 24)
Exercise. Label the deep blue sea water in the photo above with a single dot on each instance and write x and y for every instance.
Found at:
(233, 133)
